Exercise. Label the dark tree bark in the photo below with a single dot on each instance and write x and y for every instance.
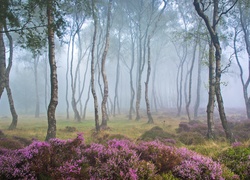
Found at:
(46, 81)
(216, 44)
(2, 62)
(97, 126)
(103, 70)
(51, 132)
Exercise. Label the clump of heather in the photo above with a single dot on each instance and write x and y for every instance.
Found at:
(194, 166)
(57, 159)
(163, 157)
(117, 160)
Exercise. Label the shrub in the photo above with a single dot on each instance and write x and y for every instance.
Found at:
(1, 133)
(8, 143)
(191, 138)
(194, 166)
(117, 161)
(156, 133)
(237, 159)
(70, 129)
(162, 156)
(57, 159)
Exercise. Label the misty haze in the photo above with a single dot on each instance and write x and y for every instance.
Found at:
(156, 73)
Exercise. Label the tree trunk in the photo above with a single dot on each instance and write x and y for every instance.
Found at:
(7, 82)
(67, 80)
(86, 103)
(116, 100)
(103, 70)
(73, 84)
(132, 91)
(179, 83)
(2, 63)
(150, 118)
(216, 43)
(198, 88)
(37, 110)
(244, 84)
(245, 30)
(211, 94)
(97, 126)
(190, 82)
(51, 132)
(46, 81)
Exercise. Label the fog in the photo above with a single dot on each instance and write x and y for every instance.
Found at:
(168, 47)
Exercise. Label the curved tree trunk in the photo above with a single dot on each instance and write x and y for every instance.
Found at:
(103, 70)
(216, 43)
(51, 132)
(86, 103)
(73, 83)
(116, 100)
(244, 24)
(190, 83)
(7, 85)
(244, 84)
(198, 88)
(97, 126)
(132, 90)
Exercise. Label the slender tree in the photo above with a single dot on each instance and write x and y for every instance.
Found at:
(2, 62)
(242, 28)
(51, 132)
(97, 126)
(216, 43)
(103, 69)
(7, 83)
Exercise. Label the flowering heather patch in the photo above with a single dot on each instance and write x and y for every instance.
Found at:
(162, 156)
(117, 159)
(194, 166)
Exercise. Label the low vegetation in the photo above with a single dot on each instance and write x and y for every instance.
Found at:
(168, 149)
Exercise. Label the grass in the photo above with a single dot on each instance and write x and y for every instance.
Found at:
(119, 127)
(36, 128)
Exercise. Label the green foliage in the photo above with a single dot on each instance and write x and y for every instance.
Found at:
(237, 159)
(169, 176)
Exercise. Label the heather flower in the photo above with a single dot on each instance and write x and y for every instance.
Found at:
(194, 166)
(236, 144)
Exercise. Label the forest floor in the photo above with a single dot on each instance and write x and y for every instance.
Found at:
(167, 128)
(119, 126)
